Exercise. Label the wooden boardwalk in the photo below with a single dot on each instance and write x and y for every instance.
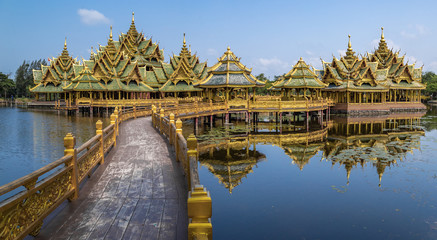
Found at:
(139, 193)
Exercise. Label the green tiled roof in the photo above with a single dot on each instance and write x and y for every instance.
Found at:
(404, 85)
(151, 79)
(37, 75)
(49, 88)
(181, 86)
(300, 76)
(220, 75)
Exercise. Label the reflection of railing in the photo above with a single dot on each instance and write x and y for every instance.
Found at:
(199, 200)
(208, 108)
(46, 188)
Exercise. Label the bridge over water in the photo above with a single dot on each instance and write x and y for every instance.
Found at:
(146, 187)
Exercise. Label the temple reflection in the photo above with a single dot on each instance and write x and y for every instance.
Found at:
(230, 153)
(380, 142)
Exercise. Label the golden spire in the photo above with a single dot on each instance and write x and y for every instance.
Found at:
(382, 34)
(229, 48)
(133, 17)
(64, 53)
(184, 50)
(92, 53)
(110, 33)
(185, 43)
(350, 54)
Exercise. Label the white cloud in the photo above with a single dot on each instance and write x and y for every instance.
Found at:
(412, 60)
(414, 31)
(430, 67)
(315, 62)
(341, 52)
(390, 44)
(271, 66)
(268, 62)
(309, 53)
(211, 51)
(92, 17)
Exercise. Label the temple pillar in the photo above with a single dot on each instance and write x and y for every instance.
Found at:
(308, 122)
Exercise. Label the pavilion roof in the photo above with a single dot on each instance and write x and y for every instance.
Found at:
(300, 76)
(229, 72)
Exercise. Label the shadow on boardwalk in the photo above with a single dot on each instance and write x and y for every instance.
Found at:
(139, 193)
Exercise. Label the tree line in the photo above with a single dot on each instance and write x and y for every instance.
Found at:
(23, 81)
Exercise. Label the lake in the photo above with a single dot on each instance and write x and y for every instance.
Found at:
(354, 178)
(32, 139)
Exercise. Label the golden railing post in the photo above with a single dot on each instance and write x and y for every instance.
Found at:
(99, 127)
(191, 152)
(153, 115)
(170, 125)
(176, 142)
(199, 206)
(113, 121)
(69, 143)
(116, 113)
(135, 111)
(161, 119)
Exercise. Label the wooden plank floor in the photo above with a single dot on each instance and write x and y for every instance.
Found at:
(139, 193)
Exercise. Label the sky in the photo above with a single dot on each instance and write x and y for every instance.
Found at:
(269, 36)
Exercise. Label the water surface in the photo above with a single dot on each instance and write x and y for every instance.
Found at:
(30, 140)
(375, 180)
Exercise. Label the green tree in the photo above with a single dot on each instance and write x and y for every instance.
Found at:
(24, 76)
(7, 86)
(430, 79)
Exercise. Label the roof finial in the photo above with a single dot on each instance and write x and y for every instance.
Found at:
(349, 45)
(229, 48)
(133, 17)
(65, 44)
(184, 40)
(300, 59)
(110, 33)
(382, 33)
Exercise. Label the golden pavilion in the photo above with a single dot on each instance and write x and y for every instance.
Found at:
(133, 68)
(379, 82)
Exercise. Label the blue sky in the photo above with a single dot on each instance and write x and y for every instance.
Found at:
(269, 36)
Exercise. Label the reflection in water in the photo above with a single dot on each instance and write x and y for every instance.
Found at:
(231, 160)
(32, 139)
(296, 181)
(348, 142)
(379, 143)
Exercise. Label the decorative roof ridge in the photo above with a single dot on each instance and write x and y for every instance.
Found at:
(132, 29)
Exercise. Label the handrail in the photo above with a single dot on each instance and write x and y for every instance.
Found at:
(23, 213)
(21, 181)
(199, 200)
(79, 162)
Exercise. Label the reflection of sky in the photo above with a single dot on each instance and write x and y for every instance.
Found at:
(30, 140)
(317, 203)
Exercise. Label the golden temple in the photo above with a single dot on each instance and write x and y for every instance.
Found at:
(133, 68)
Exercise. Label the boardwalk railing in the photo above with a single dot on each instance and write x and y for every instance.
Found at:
(45, 189)
(199, 202)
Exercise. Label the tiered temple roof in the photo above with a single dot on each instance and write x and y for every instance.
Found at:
(52, 78)
(230, 72)
(183, 71)
(378, 71)
(300, 76)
